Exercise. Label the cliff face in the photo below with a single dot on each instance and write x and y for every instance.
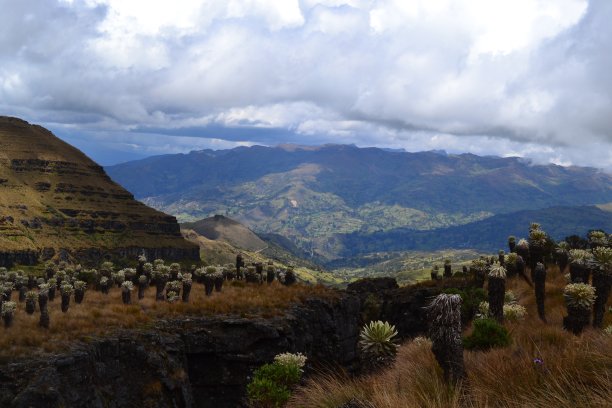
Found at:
(199, 362)
(207, 362)
(54, 198)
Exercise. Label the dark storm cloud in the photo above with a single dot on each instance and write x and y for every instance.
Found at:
(523, 77)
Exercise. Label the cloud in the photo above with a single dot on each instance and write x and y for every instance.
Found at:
(527, 77)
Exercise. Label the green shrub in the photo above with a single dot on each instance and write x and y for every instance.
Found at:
(267, 393)
(272, 383)
(487, 334)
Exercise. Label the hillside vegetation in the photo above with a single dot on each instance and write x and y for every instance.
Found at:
(316, 195)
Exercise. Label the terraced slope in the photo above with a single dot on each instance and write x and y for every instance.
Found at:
(54, 199)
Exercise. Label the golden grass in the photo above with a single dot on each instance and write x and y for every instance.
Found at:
(102, 314)
(577, 371)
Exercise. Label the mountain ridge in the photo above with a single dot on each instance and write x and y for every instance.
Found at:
(313, 194)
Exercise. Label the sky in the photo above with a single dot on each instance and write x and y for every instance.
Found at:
(126, 79)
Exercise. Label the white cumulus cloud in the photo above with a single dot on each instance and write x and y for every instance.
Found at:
(524, 77)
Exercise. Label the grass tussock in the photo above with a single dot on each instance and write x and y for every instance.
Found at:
(102, 314)
(575, 371)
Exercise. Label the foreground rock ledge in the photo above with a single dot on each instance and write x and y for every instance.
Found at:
(207, 361)
(190, 362)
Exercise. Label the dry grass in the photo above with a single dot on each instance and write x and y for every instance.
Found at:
(101, 314)
(577, 371)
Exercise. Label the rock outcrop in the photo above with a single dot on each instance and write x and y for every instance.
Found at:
(55, 199)
(383, 299)
(190, 362)
(208, 361)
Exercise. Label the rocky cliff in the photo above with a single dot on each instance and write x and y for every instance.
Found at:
(199, 362)
(54, 199)
(206, 362)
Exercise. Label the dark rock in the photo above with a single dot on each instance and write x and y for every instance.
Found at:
(370, 285)
(195, 362)
(208, 361)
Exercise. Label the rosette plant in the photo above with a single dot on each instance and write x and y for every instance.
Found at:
(579, 298)
(537, 245)
(143, 282)
(118, 278)
(22, 286)
(52, 288)
(106, 269)
(208, 277)
(126, 292)
(562, 255)
(79, 291)
(50, 269)
(540, 289)
(160, 276)
(31, 281)
(218, 280)
(148, 270)
(175, 270)
(251, 275)
(580, 262)
(377, 344)
(66, 290)
(31, 298)
(174, 287)
(522, 249)
(142, 260)
(187, 283)
(172, 296)
(479, 269)
(104, 285)
(60, 276)
(444, 315)
(229, 272)
(497, 291)
(602, 281)
(510, 264)
(598, 239)
(501, 257)
(43, 296)
(512, 243)
(130, 274)
(44, 319)
(7, 290)
(8, 313)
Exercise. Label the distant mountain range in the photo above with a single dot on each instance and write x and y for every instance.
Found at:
(338, 200)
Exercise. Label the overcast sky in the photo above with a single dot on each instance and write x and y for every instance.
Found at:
(124, 79)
